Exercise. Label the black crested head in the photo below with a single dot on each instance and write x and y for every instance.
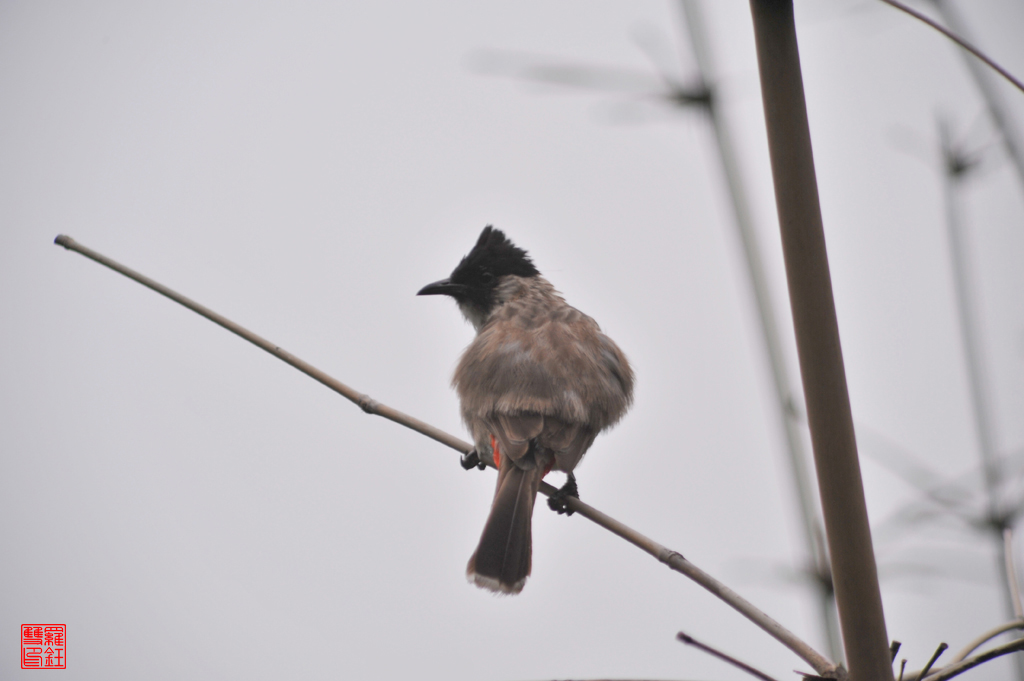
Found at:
(476, 276)
(493, 254)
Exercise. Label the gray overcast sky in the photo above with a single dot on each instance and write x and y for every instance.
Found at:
(193, 508)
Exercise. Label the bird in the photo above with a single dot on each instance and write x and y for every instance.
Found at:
(536, 385)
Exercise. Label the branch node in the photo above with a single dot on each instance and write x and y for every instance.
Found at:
(368, 404)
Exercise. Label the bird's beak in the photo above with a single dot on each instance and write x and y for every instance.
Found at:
(441, 288)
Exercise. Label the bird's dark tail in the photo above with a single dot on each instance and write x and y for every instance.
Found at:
(501, 561)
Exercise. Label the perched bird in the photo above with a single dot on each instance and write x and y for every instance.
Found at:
(536, 386)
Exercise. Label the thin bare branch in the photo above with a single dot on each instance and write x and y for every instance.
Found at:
(365, 402)
(903, 667)
(958, 40)
(938, 651)
(672, 559)
(985, 638)
(956, 669)
(690, 641)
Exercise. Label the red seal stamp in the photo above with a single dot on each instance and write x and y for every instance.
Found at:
(43, 646)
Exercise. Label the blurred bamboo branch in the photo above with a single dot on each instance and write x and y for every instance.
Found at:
(1011, 573)
(672, 559)
(999, 515)
(996, 107)
(958, 40)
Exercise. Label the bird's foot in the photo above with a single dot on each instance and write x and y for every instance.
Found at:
(558, 501)
(472, 460)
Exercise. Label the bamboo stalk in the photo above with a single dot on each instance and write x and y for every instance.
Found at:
(672, 559)
(855, 575)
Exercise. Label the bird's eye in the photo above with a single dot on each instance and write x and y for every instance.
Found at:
(487, 278)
